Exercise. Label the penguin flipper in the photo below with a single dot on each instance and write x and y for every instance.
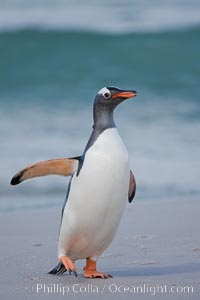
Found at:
(132, 187)
(59, 166)
(58, 270)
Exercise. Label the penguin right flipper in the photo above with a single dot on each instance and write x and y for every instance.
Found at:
(58, 270)
(59, 166)
(132, 187)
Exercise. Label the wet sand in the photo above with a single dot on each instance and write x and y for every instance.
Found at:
(156, 252)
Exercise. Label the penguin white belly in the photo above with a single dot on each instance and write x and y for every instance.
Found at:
(96, 199)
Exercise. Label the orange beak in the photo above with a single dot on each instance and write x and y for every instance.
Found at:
(129, 94)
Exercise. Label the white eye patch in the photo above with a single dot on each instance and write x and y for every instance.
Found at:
(105, 93)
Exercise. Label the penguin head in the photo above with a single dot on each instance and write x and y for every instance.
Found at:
(110, 97)
(106, 100)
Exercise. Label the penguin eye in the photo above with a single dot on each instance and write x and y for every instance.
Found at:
(107, 95)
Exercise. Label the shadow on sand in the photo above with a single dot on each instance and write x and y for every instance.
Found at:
(158, 270)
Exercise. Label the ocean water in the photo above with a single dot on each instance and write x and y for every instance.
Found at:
(55, 56)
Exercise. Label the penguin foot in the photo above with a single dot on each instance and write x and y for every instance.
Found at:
(69, 265)
(91, 272)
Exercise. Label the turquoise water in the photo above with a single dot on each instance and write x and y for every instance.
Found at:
(51, 69)
(52, 64)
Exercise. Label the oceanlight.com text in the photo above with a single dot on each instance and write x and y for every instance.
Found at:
(112, 288)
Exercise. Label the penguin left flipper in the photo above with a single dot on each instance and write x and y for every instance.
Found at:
(59, 166)
(132, 187)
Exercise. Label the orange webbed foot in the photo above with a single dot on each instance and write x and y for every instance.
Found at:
(95, 274)
(69, 265)
(91, 272)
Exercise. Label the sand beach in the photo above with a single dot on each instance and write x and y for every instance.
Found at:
(156, 253)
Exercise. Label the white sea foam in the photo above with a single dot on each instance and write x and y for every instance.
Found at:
(105, 16)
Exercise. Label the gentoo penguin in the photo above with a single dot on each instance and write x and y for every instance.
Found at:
(101, 183)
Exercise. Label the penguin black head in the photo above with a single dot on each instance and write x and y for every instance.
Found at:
(109, 97)
(106, 100)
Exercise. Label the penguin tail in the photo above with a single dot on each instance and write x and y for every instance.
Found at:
(58, 270)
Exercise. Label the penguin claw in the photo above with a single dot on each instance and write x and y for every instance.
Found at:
(69, 265)
(74, 272)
